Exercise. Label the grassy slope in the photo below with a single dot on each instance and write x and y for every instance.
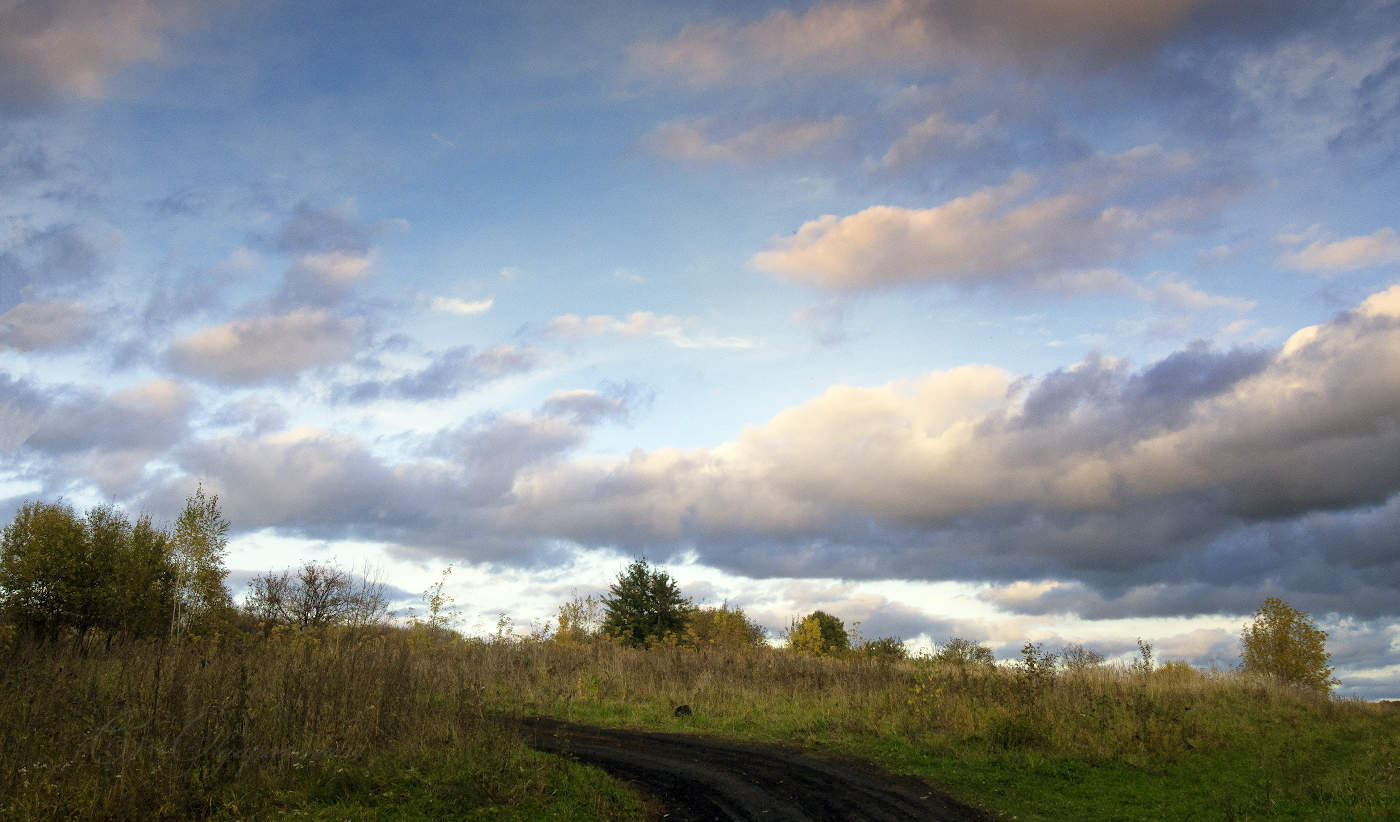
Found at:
(1107, 744)
(400, 726)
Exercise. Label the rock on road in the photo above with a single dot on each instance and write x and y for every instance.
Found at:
(695, 778)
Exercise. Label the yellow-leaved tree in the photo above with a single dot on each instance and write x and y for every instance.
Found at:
(1285, 643)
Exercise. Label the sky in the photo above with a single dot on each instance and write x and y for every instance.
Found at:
(1058, 320)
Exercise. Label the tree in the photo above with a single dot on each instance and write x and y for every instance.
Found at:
(200, 543)
(1077, 657)
(316, 595)
(1285, 643)
(724, 627)
(59, 571)
(644, 606)
(580, 620)
(961, 652)
(819, 634)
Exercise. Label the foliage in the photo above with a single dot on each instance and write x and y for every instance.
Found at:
(819, 634)
(1285, 643)
(61, 571)
(884, 649)
(961, 652)
(580, 620)
(1037, 666)
(724, 627)
(1143, 664)
(315, 596)
(644, 606)
(441, 617)
(1076, 657)
(200, 542)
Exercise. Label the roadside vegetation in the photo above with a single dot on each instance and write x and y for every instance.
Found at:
(132, 687)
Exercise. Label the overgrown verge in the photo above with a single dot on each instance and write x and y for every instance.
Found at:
(1032, 742)
(334, 724)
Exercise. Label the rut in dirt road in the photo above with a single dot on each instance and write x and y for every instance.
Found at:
(700, 779)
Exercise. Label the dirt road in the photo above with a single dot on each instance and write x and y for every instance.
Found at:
(694, 778)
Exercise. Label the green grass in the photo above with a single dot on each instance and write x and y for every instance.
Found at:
(402, 725)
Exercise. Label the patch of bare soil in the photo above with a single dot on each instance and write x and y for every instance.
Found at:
(695, 778)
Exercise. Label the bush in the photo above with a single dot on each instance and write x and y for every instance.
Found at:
(819, 634)
(724, 627)
(959, 651)
(1285, 643)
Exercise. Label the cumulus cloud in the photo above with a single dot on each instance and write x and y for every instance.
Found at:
(640, 324)
(45, 262)
(1094, 472)
(1014, 232)
(61, 47)
(1381, 247)
(841, 37)
(45, 325)
(687, 140)
(260, 349)
(323, 279)
(65, 432)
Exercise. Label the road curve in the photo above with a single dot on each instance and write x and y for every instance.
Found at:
(695, 778)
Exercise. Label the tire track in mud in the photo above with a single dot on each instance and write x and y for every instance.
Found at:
(696, 778)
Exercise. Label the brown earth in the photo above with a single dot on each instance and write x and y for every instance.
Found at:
(697, 778)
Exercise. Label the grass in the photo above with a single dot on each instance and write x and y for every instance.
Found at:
(333, 725)
(397, 724)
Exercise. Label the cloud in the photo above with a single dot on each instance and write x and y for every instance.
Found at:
(63, 433)
(310, 230)
(266, 348)
(686, 140)
(1015, 232)
(323, 279)
(640, 324)
(45, 325)
(1196, 466)
(50, 48)
(856, 37)
(450, 373)
(45, 262)
(462, 308)
(1381, 247)
(589, 408)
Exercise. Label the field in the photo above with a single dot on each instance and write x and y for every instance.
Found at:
(412, 724)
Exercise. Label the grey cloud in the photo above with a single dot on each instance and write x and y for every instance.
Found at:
(310, 230)
(267, 348)
(1377, 116)
(46, 262)
(48, 325)
(449, 374)
(1222, 469)
(614, 403)
(261, 415)
(50, 48)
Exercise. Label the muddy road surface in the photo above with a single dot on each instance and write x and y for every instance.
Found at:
(696, 778)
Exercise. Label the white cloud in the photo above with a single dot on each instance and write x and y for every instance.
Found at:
(45, 325)
(464, 308)
(266, 348)
(1380, 247)
(1091, 467)
(687, 140)
(641, 324)
(1014, 232)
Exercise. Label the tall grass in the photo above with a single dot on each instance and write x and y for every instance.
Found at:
(261, 727)
(411, 724)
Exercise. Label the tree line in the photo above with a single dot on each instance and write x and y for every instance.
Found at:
(100, 571)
